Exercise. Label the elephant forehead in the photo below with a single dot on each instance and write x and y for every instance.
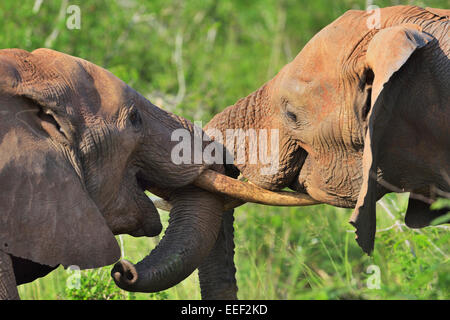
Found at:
(314, 71)
(329, 49)
(318, 92)
(98, 90)
(114, 93)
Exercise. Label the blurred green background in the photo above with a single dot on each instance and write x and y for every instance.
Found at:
(195, 58)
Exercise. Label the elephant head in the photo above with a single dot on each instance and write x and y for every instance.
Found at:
(78, 148)
(357, 105)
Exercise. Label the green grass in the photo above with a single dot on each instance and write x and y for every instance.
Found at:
(195, 58)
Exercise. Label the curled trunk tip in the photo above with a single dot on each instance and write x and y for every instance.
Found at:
(125, 274)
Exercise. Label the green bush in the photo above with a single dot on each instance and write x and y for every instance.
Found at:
(94, 285)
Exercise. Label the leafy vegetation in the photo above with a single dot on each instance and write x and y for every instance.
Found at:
(195, 58)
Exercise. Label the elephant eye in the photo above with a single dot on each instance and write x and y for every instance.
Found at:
(291, 116)
(135, 118)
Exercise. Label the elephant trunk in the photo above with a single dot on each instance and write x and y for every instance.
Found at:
(217, 274)
(162, 165)
(260, 147)
(194, 225)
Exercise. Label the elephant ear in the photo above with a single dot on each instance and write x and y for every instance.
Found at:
(387, 52)
(46, 214)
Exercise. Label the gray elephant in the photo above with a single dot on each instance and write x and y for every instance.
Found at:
(78, 148)
(360, 112)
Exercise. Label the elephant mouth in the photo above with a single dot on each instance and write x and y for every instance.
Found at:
(142, 183)
(298, 182)
(150, 223)
(147, 186)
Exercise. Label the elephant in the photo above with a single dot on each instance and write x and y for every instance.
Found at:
(78, 148)
(361, 111)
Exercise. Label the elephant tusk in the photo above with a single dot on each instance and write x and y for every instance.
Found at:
(166, 206)
(246, 192)
(161, 204)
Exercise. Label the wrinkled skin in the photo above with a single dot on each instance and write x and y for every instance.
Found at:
(360, 112)
(78, 147)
